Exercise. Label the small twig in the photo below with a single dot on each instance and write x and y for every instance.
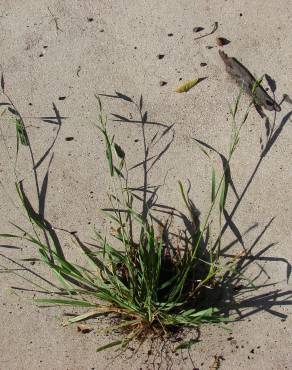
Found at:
(215, 26)
(55, 19)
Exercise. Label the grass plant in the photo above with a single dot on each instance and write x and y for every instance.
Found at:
(134, 275)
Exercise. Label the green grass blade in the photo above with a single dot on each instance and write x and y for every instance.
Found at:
(186, 345)
(21, 132)
(66, 302)
(213, 185)
(223, 195)
(84, 316)
(109, 345)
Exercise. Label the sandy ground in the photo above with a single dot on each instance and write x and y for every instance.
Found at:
(62, 53)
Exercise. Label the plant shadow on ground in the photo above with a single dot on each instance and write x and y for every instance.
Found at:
(56, 119)
(231, 287)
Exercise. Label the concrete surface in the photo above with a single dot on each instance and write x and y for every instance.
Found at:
(52, 49)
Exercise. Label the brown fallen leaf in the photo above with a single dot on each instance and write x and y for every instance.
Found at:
(248, 82)
(221, 41)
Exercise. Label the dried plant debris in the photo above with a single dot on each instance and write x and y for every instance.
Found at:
(84, 329)
(222, 41)
(198, 29)
(214, 29)
(216, 363)
(55, 19)
(247, 81)
(287, 98)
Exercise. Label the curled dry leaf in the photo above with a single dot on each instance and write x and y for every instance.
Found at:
(248, 82)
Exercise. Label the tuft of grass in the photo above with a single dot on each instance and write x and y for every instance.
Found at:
(135, 275)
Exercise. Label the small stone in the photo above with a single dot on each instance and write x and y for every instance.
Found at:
(102, 30)
(203, 64)
(160, 56)
(62, 97)
(162, 83)
(69, 138)
(170, 34)
(41, 55)
(89, 19)
(198, 29)
(240, 14)
(209, 47)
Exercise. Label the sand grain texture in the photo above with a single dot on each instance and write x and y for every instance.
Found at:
(85, 47)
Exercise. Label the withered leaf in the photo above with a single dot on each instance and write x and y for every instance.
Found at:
(186, 86)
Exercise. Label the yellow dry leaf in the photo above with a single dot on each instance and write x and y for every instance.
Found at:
(186, 86)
